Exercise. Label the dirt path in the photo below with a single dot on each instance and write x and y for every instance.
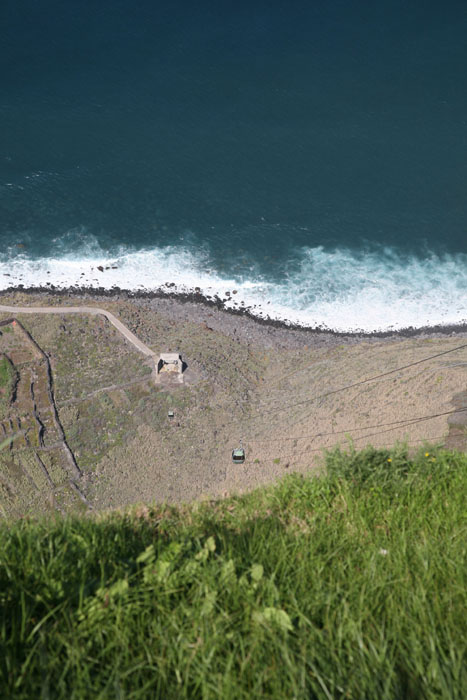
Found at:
(131, 337)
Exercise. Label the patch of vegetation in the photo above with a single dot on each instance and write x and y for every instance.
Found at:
(7, 378)
(6, 373)
(348, 586)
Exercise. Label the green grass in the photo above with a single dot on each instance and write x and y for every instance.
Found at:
(5, 373)
(7, 376)
(348, 586)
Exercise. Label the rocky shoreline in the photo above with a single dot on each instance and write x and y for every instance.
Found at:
(196, 303)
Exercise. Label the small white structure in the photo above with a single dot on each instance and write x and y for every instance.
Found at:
(170, 366)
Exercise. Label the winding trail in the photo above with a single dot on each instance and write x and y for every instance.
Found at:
(93, 311)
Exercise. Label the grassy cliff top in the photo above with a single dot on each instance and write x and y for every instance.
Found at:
(351, 585)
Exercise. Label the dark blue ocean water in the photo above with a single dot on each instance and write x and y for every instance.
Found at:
(312, 155)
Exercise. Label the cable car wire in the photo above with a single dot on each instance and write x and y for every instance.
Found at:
(407, 423)
(396, 423)
(318, 362)
(322, 448)
(359, 383)
(278, 401)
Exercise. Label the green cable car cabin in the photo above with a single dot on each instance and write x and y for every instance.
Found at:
(238, 455)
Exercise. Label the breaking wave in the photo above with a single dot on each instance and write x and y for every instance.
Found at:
(339, 289)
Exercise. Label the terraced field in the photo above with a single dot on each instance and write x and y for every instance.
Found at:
(37, 469)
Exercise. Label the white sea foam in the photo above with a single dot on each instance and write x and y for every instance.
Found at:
(339, 290)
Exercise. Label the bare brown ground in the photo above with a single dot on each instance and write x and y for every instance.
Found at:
(286, 394)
